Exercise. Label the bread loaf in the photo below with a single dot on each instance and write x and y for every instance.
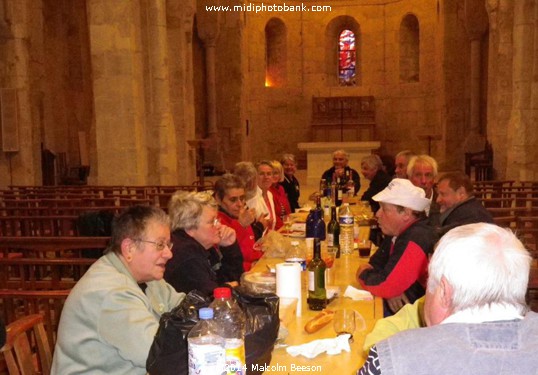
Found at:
(319, 321)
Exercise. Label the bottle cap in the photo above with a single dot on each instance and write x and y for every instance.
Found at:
(222, 293)
(206, 313)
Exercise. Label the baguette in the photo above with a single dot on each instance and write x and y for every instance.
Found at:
(319, 321)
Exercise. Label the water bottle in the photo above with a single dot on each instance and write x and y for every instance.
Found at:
(346, 221)
(207, 355)
(230, 320)
(296, 255)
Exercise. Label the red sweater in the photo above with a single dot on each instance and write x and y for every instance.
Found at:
(245, 238)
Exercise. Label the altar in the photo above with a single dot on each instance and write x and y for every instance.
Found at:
(319, 156)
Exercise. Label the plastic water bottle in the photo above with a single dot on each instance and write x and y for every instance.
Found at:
(207, 355)
(296, 255)
(230, 320)
(346, 221)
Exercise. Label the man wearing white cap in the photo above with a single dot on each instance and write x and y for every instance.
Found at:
(398, 270)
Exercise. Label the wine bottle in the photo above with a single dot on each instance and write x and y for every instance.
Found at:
(315, 226)
(333, 232)
(317, 294)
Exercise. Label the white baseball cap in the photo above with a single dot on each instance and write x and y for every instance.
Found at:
(403, 193)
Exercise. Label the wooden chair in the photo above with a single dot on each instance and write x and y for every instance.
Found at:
(527, 231)
(27, 350)
(14, 304)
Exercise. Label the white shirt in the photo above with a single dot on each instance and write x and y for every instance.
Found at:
(488, 313)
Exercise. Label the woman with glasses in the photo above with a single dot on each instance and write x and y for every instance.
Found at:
(282, 205)
(206, 253)
(112, 314)
(233, 212)
(290, 182)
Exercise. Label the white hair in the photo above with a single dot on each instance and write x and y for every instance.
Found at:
(422, 159)
(484, 264)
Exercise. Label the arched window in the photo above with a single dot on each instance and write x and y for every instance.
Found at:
(347, 58)
(409, 49)
(275, 53)
(343, 52)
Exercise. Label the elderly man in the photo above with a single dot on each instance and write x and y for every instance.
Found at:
(475, 310)
(341, 170)
(401, 160)
(457, 204)
(372, 170)
(398, 270)
(233, 212)
(422, 170)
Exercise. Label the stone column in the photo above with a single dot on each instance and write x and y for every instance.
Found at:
(476, 24)
(162, 140)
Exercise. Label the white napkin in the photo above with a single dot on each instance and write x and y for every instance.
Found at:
(313, 348)
(358, 294)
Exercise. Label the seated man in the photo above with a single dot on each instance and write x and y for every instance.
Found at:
(475, 310)
(457, 203)
(421, 171)
(401, 160)
(230, 196)
(341, 169)
(398, 270)
(372, 170)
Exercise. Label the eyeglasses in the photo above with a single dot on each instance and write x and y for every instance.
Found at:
(158, 245)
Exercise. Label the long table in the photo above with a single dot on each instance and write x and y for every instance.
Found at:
(341, 274)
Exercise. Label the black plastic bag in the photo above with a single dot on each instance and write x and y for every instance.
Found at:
(262, 325)
(168, 354)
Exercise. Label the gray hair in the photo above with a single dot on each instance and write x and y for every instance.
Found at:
(132, 223)
(288, 157)
(422, 159)
(372, 161)
(484, 264)
(247, 172)
(407, 154)
(226, 182)
(341, 152)
(185, 208)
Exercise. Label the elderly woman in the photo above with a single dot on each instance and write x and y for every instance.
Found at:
(112, 314)
(290, 182)
(263, 201)
(372, 170)
(247, 172)
(198, 262)
(230, 195)
(282, 206)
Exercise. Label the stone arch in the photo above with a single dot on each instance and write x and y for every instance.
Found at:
(409, 49)
(276, 57)
(332, 33)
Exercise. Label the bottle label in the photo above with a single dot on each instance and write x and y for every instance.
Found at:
(206, 359)
(330, 239)
(311, 281)
(346, 220)
(235, 357)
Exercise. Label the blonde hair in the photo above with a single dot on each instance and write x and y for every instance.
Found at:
(278, 167)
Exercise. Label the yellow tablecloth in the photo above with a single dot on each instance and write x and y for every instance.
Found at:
(342, 274)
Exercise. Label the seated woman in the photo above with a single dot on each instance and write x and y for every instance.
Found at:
(290, 183)
(263, 201)
(112, 314)
(198, 263)
(230, 195)
(282, 206)
(372, 169)
(247, 172)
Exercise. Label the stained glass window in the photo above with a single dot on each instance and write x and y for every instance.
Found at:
(347, 58)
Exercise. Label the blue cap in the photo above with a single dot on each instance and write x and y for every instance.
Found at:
(206, 313)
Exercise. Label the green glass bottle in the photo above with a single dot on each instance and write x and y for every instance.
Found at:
(333, 233)
(317, 294)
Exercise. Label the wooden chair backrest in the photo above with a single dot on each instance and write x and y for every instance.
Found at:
(26, 338)
(14, 304)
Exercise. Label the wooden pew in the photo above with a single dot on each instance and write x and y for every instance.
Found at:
(58, 247)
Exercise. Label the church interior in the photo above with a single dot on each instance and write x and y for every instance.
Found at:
(152, 92)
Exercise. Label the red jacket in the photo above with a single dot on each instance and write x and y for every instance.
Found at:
(282, 205)
(245, 238)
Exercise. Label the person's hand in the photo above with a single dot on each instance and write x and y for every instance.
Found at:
(396, 303)
(314, 196)
(340, 172)
(227, 236)
(246, 216)
(362, 268)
